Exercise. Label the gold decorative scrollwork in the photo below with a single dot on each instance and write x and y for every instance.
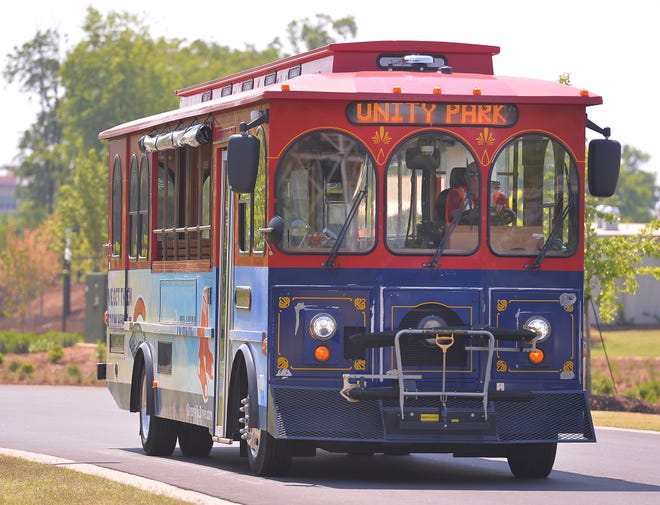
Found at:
(284, 301)
(282, 362)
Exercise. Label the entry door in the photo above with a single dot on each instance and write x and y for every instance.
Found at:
(223, 198)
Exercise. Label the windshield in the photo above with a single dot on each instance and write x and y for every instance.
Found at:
(432, 182)
(325, 178)
(533, 199)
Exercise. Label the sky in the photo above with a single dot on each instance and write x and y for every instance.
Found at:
(608, 47)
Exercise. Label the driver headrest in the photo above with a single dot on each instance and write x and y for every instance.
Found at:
(457, 177)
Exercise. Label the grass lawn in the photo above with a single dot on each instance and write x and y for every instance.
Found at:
(626, 344)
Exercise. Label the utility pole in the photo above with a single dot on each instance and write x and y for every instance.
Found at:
(66, 280)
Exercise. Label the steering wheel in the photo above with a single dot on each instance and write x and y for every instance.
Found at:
(504, 217)
(470, 216)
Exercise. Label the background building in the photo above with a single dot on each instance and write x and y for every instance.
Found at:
(8, 184)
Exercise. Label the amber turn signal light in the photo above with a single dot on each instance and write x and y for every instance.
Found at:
(536, 356)
(322, 353)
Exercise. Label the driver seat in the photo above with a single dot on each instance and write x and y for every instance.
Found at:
(456, 180)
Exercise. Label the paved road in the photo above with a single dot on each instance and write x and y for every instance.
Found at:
(84, 425)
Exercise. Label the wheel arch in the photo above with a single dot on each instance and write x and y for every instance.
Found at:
(143, 361)
(243, 368)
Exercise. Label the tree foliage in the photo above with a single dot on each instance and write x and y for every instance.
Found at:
(613, 264)
(117, 73)
(85, 212)
(35, 65)
(320, 32)
(636, 191)
(28, 265)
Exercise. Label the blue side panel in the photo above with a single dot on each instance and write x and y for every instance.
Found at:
(174, 314)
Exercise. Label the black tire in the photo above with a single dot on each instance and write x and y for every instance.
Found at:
(531, 461)
(268, 456)
(158, 435)
(194, 441)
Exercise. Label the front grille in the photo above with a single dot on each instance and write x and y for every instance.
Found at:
(322, 414)
(314, 414)
(549, 416)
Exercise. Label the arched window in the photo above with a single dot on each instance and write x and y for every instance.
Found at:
(534, 198)
(143, 246)
(116, 207)
(133, 213)
(326, 192)
(432, 196)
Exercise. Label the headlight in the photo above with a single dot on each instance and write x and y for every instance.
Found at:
(540, 326)
(428, 322)
(431, 321)
(323, 326)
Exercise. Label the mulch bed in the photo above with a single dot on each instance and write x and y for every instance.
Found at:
(623, 404)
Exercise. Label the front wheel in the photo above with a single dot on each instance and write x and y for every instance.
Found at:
(266, 454)
(158, 435)
(531, 461)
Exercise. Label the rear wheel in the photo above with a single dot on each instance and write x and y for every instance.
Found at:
(158, 435)
(194, 441)
(531, 461)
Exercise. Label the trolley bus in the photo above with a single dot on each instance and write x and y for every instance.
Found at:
(371, 247)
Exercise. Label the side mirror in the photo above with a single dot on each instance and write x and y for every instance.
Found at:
(242, 162)
(274, 232)
(604, 165)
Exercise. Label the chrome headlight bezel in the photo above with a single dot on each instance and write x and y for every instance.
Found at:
(323, 327)
(539, 325)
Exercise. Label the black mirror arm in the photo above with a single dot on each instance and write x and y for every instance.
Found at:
(605, 132)
(262, 119)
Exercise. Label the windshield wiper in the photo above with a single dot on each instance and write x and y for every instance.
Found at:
(357, 199)
(444, 241)
(558, 226)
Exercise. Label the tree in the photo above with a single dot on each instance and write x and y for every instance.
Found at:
(117, 73)
(318, 34)
(36, 66)
(612, 266)
(636, 190)
(28, 265)
(83, 208)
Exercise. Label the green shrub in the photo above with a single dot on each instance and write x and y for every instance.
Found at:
(601, 385)
(24, 343)
(73, 371)
(27, 368)
(55, 353)
(101, 351)
(649, 391)
(14, 365)
(2, 358)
